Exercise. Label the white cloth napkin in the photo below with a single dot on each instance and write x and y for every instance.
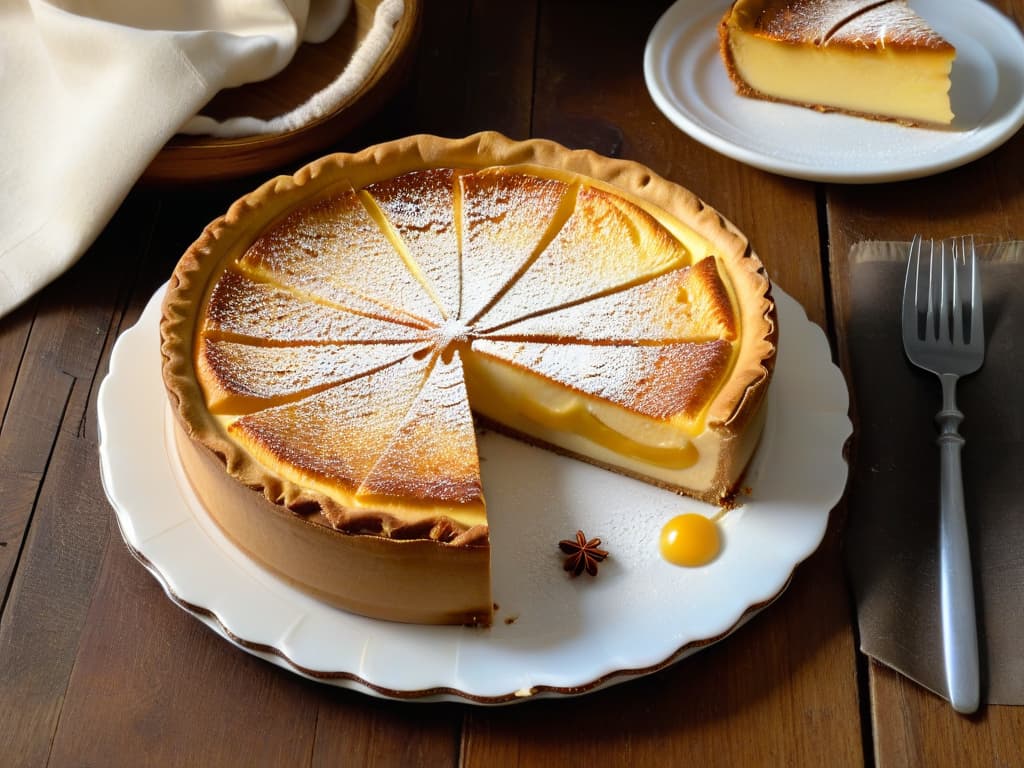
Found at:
(92, 89)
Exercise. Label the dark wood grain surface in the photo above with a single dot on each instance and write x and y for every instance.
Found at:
(98, 667)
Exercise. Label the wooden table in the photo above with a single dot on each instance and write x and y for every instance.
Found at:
(97, 667)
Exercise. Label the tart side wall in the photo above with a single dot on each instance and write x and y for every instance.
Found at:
(418, 581)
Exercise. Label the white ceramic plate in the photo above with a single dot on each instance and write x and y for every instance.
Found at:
(688, 83)
(552, 635)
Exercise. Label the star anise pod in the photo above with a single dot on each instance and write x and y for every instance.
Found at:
(583, 555)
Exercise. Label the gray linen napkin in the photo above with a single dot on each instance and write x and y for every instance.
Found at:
(892, 537)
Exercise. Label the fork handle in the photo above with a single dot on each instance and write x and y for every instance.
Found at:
(959, 629)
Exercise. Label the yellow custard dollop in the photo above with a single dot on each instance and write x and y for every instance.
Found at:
(690, 540)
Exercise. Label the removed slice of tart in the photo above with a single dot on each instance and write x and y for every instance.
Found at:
(327, 343)
(872, 58)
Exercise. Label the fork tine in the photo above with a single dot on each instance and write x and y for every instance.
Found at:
(976, 319)
(957, 297)
(911, 314)
(949, 298)
(933, 315)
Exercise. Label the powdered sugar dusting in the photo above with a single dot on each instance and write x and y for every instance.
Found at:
(275, 372)
(683, 305)
(339, 433)
(606, 243)
(643, 379)
(504, 218)
(890, 24)
(433, 454)
(243, 306)
(862, 23)
(450, 332)
(333, 249)
(420, 206)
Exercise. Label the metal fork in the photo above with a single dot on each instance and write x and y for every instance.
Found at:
(943, 332)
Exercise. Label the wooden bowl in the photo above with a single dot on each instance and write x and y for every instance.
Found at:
(202, 158)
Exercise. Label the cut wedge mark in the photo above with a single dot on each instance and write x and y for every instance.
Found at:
(563, 214)
(605, 244)
(402, 249)
(432, 458)
(457, 213)
(335, 297)
(416, 212)
(335, 249)
(330, 440)
(242, 306)
(851, 18)
(507, 219)
(423, 336)
(243, 378)
(686, 304)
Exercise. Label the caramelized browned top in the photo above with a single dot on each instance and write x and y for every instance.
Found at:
(332, 347)
(660, 381)
(247, 377)
(432, 456)
(334, 437)
(850, 23)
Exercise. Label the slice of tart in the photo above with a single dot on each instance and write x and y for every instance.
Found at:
(685, 304)
(327, 343)
(432, 459)
(872, 58)
(606, 244)
(332, 250)
(613, 405)
(506, 221)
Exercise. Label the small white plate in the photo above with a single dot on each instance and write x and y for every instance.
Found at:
(688, 83)
(553, 635)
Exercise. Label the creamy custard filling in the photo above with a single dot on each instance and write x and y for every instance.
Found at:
(885, 81)
(576, 417)
(530, 404)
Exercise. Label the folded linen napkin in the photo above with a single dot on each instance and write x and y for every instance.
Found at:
(92, 89)
(892, 537)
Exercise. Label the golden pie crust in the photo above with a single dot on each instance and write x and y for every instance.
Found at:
(400, 559)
